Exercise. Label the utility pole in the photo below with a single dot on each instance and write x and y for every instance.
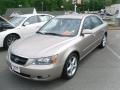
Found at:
(75, 7)
(74, 2)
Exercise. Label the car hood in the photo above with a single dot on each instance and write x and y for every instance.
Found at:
(39, 45)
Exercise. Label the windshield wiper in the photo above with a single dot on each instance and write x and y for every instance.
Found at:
(40, 32)
(50, 34)
(53, 34)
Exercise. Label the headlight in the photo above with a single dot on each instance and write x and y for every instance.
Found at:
(45, 60)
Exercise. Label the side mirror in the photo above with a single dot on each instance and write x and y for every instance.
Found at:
(26, 23)
(87, 31)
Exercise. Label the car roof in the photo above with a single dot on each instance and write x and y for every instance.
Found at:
(74, 16)
(29, 15)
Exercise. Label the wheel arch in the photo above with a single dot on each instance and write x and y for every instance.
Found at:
(70, 52)
(12, 34)
(76, 52)
(9, 35)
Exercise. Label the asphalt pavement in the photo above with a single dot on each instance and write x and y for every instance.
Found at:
(100, 70)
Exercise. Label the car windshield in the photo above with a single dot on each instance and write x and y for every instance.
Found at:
(16, 20)
(61, 27)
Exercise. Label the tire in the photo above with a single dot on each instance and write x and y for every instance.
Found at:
(9, 40)
(103, 42)
(70, 66)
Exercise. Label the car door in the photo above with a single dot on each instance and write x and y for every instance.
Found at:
(87, 42)
(30, 26)
(98, 29)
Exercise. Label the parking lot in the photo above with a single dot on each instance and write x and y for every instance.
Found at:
(100, 70)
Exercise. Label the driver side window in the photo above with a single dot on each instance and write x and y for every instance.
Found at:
(87, 23)
(32, 20)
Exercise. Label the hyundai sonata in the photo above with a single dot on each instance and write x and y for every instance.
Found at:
(55, 50)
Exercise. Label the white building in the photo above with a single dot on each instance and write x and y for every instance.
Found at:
(19, 11)
(113, 9)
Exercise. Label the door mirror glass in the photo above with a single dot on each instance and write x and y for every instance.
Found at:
(87, 31)
(26, 23)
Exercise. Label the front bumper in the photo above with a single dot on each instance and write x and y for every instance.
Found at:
(37, 72)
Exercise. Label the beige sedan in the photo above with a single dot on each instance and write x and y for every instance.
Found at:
(55, 50)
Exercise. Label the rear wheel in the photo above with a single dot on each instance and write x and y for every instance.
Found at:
(70, 66)
(9, 40)
(103, 42)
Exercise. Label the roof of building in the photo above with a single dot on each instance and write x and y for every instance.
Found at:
(19, 11)
(55, 13)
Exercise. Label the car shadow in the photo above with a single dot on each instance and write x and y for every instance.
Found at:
(2, 49)
(30, 84)
(86, 58)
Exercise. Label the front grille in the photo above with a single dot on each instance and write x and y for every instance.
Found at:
(18, 60)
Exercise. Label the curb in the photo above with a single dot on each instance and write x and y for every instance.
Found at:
(113, 29)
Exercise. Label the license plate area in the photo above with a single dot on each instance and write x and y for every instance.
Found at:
(15, 68)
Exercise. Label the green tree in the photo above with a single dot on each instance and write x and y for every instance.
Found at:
(108, 2)
(52, 5)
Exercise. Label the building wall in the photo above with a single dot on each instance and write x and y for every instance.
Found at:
(113, 8)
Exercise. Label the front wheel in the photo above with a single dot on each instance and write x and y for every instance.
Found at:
(70, 66)
(9, 40)
(103, 42)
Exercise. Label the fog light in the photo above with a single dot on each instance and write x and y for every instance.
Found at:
(43, 77)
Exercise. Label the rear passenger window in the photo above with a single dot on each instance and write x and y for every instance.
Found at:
(96, 21)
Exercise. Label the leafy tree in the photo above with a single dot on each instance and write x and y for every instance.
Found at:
(108, 2)
(52, 5)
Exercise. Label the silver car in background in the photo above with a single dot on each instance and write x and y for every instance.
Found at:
(56, 49)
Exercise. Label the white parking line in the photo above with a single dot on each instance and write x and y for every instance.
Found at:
(115, 53)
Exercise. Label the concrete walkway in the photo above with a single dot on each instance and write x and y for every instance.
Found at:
(114, 28)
